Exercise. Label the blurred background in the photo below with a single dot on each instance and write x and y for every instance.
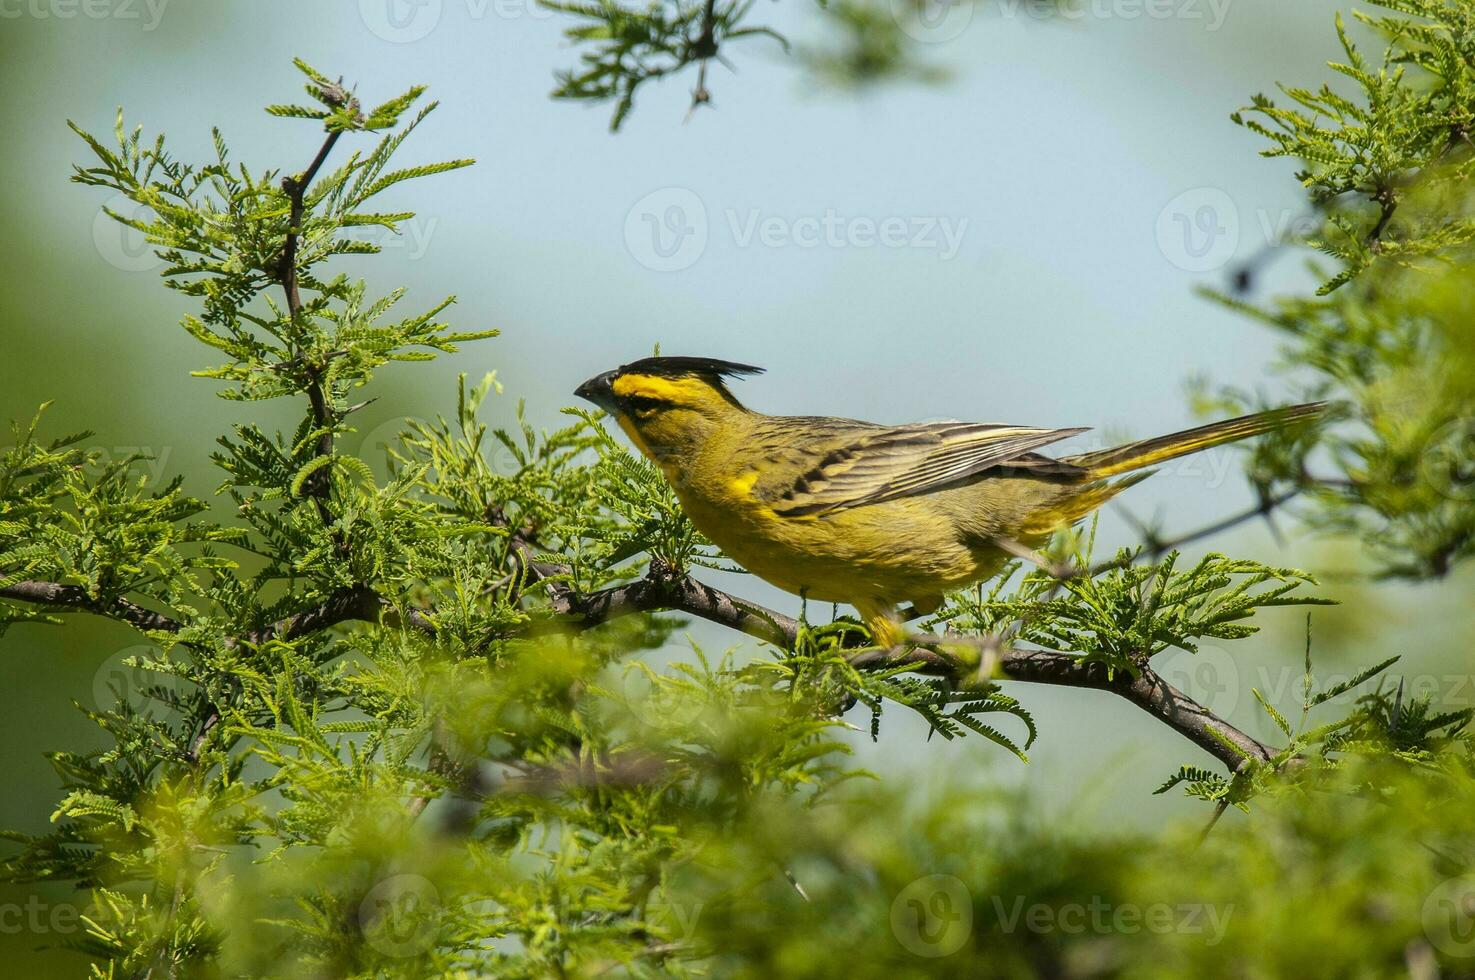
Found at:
(1020, 243)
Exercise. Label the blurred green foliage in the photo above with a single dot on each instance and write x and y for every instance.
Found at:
(1388, 332)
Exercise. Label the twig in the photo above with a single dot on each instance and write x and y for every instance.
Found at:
(1155, 547)
(295, 187)
(1148, 690)
(570, 611)
(1203, 835)
(704, 47)
(1387, 200)
(74, 597)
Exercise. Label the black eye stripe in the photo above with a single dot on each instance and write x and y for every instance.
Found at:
(638, 402)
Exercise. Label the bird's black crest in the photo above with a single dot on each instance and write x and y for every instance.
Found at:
(673, 367)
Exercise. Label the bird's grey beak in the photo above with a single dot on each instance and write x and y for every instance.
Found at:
(600, 390)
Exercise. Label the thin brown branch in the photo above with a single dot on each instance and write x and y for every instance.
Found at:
(295, 187)
(574, 612)
(569, 611)
(522, 543)
(54, 595)
(704, 49)
(1154, 547)
(1148, 690)
(356, 603)
(359, 603)
(1387, 200)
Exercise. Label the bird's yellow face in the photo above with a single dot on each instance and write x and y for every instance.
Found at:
(669, 417)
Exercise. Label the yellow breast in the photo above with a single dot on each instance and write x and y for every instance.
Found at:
(900, 550)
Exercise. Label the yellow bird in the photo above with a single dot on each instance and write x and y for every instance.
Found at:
(871, 515)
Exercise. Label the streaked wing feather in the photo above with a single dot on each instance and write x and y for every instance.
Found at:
(876, 464)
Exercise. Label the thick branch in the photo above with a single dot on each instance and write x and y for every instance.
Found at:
(570, 611)
(1148, 691)
(357, 603)
(53, 595)
(574, 612)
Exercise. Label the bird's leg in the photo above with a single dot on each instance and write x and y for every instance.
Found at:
(1021, 551)
(880, 618)
(886, 631)
(1032, 556)
(920, 608)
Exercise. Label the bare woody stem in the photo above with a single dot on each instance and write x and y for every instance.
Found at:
(570, 611)
(317, 485)
(1155, 546)
(74, 598)
(1147, 690)
(295, 187)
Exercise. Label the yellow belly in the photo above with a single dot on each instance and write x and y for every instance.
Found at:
(882, 554)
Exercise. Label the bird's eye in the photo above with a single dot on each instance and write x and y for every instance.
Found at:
(643, 407)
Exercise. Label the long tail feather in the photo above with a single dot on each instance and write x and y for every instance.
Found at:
(1135, 455)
